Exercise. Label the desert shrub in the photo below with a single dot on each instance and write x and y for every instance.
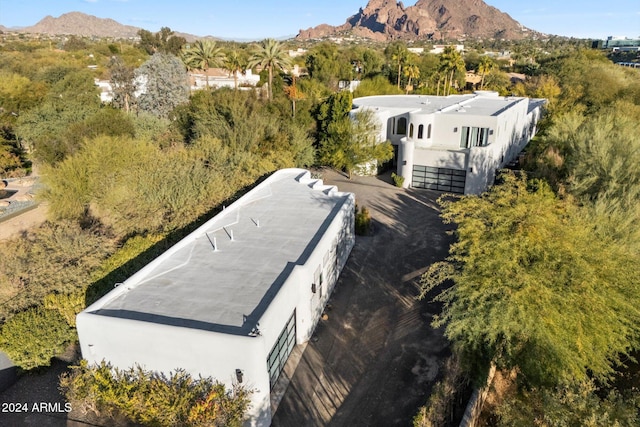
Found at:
(362, 221)
(397, 179)
(68, 305)
(150, 398)
(32, 337)
(55, 258)
(448, 398)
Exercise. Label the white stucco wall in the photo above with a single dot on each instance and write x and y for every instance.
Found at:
(510, 130)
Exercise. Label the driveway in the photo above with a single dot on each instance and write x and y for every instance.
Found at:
(375, 359)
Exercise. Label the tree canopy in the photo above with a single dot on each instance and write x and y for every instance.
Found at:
(533, 276)
(165, 84)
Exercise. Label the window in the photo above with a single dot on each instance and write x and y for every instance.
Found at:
(474, 137)
(429, 131)
(420, 131)
(401, 128)
(411, 130)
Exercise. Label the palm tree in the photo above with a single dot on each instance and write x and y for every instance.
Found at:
(399, 55)
(269, 54)
(451, 61)
(411, 72)
(235, 63)
(484, 67)
(203, 55)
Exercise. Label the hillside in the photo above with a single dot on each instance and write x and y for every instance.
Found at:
(428, 19)
(81, 24)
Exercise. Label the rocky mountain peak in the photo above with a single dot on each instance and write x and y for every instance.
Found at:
(427, 19)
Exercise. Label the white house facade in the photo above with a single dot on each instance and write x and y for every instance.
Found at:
(233, 298)
(454, 143)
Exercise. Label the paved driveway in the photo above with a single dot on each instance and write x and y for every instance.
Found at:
(374, 361)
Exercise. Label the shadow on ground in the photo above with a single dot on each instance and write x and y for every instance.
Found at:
(374, 361)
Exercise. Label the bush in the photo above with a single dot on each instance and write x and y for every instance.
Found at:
(397, 179)
(31, 338)
(363, 221)
(150, 398)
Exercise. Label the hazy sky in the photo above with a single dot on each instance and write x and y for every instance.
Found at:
(257, 19)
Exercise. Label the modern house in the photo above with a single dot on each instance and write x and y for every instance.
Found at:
(233, 298)
(453, 143)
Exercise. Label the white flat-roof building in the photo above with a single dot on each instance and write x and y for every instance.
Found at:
(454, 143)
(233, 298)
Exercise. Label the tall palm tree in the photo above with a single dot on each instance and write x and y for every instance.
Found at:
(451, 61)
(411, 72)
(399, 55)
(202, 55)
(269, 54)
(235, 63)
(484, 67)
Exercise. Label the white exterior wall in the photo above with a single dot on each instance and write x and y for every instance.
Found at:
(158, 347)
(126, 343)
(510, 131)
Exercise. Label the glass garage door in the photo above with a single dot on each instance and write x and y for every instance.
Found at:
(282, 349)
(441, 179)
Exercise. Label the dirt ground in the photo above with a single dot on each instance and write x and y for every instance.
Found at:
(374, 361)
(30, 219)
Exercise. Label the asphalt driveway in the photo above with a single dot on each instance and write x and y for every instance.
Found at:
(375, 359)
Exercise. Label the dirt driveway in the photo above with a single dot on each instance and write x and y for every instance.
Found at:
(374, 361)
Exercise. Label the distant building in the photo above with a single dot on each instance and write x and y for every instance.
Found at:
(439, 48)
(232, 299)
(616, 43)
(219, 77)
(453, 143)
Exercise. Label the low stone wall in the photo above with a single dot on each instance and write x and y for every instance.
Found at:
(476, 402)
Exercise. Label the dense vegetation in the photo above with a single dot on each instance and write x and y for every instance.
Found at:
(545, 267)
(126, 180)
(147, 398)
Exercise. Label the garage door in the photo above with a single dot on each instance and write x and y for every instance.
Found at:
(442, 179)
(282, 349)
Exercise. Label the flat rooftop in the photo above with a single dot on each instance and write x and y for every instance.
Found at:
(479, 104)
(209, 281)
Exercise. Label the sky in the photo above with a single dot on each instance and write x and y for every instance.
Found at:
(258, 19)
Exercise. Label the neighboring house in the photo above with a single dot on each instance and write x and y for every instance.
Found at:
(350, 85)
(454, 143)
(219, 77)
(439, 48)
(233, 298)
(106, 90)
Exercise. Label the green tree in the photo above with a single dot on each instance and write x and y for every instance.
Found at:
(485, 66)
(236, 63)
(451, 63)
(123, 84)
(535, 286)
(581, 404)
(164, 41)
(165, 84)
(352, 143)
(411, 72)
(202, 55)
(397, 52)
(269, 54)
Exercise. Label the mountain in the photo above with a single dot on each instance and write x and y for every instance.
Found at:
(428, 19)
(81, 24)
